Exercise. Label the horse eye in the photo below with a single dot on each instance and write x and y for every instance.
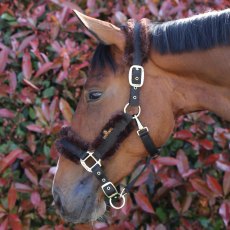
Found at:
(94, 95)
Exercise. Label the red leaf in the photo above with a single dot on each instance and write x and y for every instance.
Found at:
(226, 183)
(160, 227)
(223, 166)
(30, 84)
(91, 4)
(31, 175)
(65, 109)
(190, 173)
(42, 209)
(4, 58)
(175, 202)
(201, 187)
(169, 161)
(26, 65)
(211, 159)
(35, 128)
(214, 185)
(142, 179)
(26, 42)
(35, 199)
(128, 206)
(143, 202)
(183, 134)
(207, 119)
(224, 211)
(183, 164)
(53, 152)
(152, 7)
(53, 109)
(171, 182)
(6, 113)
(4, 224)
(31, 142)
(186, 203)
(23, 187)
(12, 81)
(66, 59)
(15, 222)
(9, 159)
(3, 182)
(206, 144)
(12, 197)
(46, 109)
(44, 68)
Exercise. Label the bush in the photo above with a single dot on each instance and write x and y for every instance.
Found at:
(44, 57)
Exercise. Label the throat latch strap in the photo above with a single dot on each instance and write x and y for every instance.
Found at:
(143, 133)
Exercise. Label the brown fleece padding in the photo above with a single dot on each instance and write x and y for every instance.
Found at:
(99, 139)
(145, 40)
(68, 135)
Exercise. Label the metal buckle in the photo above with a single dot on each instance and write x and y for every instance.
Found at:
(109, 184)
(83, 161)
(138, 131)
(140, 126)
(137, 67)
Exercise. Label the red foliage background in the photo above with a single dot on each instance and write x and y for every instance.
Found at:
(44, 57)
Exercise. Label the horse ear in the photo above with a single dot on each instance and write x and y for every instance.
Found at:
(105, 32)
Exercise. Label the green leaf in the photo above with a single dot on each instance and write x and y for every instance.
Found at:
(7, 17)
(204, 222)
(32, 113)
(49, 92)
(160, 212)
(46, 150)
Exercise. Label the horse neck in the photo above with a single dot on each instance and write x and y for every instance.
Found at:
(198, 80)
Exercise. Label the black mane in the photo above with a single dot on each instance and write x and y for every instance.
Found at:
(200, 32)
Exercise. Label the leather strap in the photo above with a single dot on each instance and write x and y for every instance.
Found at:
(134, 98)
(108, 188)
(148, 143)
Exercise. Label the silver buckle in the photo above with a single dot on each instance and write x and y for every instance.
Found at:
(109, 184)
(138, 131)
(140, 126)
(137, 67)
(83, 161)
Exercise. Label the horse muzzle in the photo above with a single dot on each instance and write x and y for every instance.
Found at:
(80, 204)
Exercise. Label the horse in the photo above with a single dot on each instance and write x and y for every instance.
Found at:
(186, 69)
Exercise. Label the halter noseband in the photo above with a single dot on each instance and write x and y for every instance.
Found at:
(91, 159)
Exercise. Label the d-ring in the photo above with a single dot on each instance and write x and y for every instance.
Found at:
(122, 198)
(139, 110)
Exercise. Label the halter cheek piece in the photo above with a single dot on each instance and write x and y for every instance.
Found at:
(91, 159)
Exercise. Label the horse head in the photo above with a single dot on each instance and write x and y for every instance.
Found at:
(77, 193)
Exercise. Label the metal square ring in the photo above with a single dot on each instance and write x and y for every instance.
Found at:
(86, 167)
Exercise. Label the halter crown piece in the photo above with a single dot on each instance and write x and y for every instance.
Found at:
(91, 159)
